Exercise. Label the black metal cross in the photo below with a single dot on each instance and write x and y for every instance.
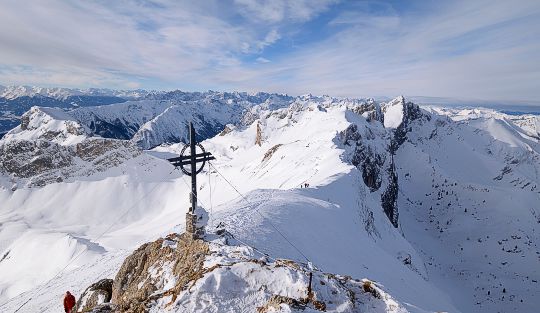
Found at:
(192, 159)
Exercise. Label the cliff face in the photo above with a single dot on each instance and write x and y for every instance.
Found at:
(390, 195)
(372, 143)
(180, 274)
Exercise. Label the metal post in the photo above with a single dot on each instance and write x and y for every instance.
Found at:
(310, 295)
(193, 151)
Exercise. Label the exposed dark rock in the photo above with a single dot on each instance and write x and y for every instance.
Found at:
(373, 110)
(104, 308)
(95, 295)
(350, 135)
(390, 195)
(364, 158)
(270, 152)
(411, 112)
(44, 161)
(227, 129)
(116, 129)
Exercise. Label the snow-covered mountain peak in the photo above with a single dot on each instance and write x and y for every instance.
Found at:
(393, 112)
(50, 124)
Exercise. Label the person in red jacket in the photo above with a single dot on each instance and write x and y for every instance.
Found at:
(69, 302)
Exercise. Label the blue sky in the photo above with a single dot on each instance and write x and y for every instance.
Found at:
(472, 49)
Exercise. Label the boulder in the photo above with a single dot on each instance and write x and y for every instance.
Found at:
(94, 296)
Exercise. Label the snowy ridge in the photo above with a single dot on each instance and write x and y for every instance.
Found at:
(529, 124)
(53, 124)
(14, 92)
(465, 192)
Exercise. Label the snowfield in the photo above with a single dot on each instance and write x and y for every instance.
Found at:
(468, 201)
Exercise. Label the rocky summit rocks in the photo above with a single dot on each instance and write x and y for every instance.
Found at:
(95, 295)
(218, 274)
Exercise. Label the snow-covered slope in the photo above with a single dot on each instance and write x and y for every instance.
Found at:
(394, 204)
(527, 124)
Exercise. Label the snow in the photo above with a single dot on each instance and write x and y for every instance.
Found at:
(13, 92)
(109, 214)
(393, 112)
(236, 281)
(64, 128)
(58, 247)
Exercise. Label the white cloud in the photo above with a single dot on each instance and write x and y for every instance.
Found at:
(275, 11)
(486, 50)
(480, 49)
(165, 42)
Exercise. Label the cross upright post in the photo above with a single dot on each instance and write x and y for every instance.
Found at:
(192, 160)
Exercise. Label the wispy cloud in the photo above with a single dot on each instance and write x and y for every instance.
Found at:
(488, 50)
(276, 11)
(478, 49)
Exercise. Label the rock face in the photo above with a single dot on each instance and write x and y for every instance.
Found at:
(376, 165)
(370, 109)
(158, 269)
(390, 195)
(97, 294)
(373, 153)
(410, 113)
(42, 162)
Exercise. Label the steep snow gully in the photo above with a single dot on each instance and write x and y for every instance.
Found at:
(437, 208)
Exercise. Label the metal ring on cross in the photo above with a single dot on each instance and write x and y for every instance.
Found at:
(203, 163)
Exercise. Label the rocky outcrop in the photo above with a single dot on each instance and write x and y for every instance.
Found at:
(158, 269)
(271, 152)
(364, 158)
(42, 162)
(370, 109)
(227, 129)
(180, 274)
(258, 135)
(97, 294)
(390, 195)
(375, 161)
(411, 112)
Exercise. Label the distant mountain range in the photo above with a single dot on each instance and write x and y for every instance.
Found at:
(15, 100)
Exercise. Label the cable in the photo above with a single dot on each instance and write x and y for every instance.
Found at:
(242, 242)
(83, 251)
(211, 204)
(257, 210)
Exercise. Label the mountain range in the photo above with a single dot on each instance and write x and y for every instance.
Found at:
(436, 207)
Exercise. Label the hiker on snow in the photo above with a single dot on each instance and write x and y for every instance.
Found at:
(69, 302)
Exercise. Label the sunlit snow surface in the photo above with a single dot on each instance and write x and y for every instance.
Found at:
(43, 228)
